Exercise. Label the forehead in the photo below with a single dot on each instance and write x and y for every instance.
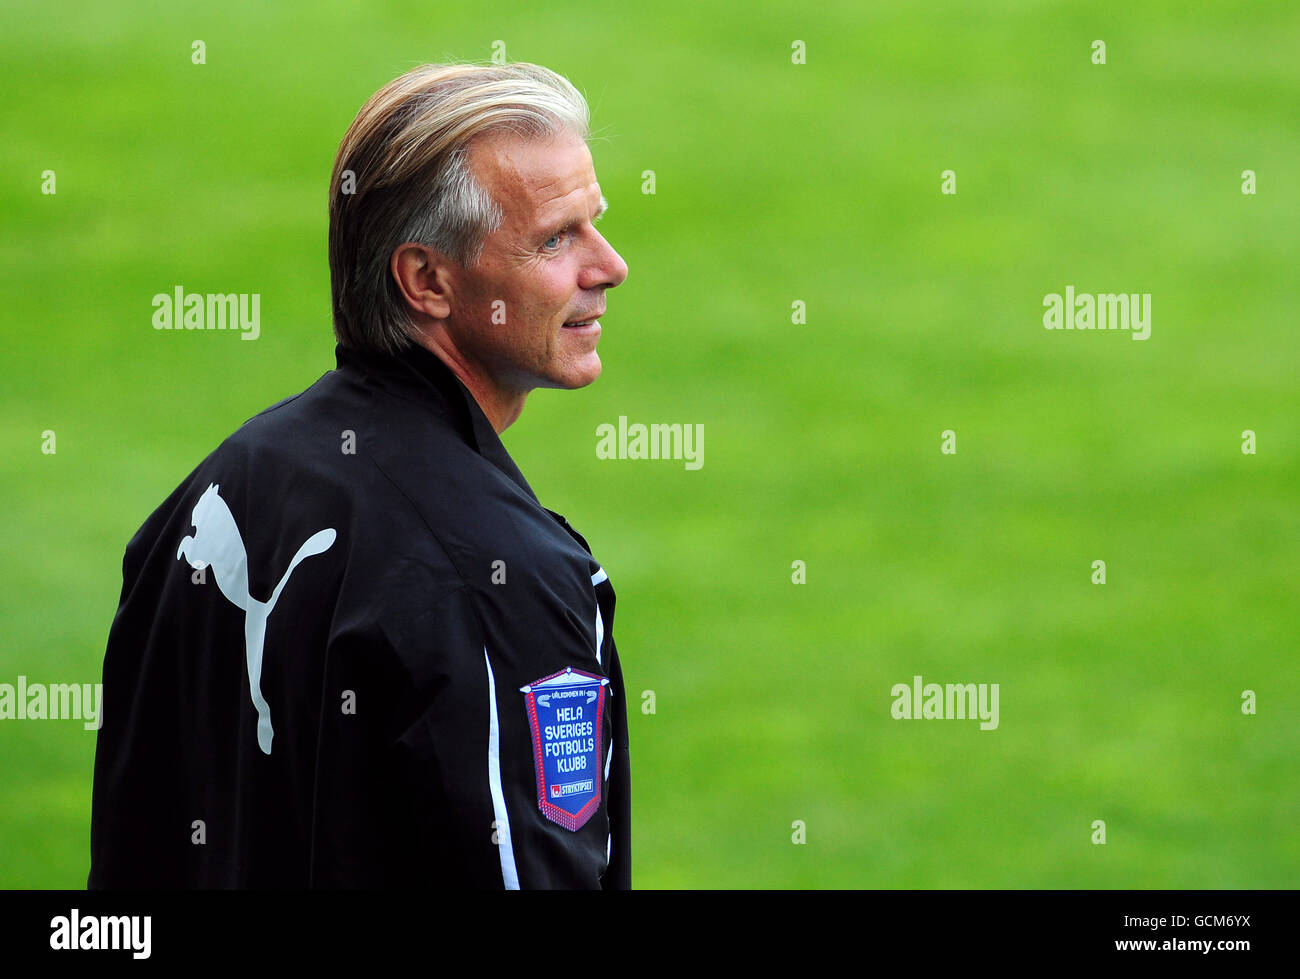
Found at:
(534, 180)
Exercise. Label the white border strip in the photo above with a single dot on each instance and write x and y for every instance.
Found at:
(596, 579)
(509, 875)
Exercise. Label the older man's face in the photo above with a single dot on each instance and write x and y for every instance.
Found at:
(547, 265)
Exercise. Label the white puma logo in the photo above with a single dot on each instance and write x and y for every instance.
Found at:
(217, 544)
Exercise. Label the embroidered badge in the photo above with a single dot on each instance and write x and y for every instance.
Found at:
(565, 711)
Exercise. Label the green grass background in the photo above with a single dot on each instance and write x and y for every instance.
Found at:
(775, 182)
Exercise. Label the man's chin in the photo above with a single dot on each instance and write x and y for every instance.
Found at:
(577, 375)
(587, 375)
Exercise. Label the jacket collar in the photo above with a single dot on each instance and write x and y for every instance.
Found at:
(420, 374)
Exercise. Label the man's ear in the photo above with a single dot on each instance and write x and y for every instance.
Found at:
(423, 276)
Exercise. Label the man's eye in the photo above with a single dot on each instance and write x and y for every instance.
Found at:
(553, 242)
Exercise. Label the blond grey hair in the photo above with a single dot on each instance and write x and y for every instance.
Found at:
(402, 174)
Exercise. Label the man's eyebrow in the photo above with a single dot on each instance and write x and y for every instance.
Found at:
(562, 223)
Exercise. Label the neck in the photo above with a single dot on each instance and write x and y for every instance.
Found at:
(501, 408)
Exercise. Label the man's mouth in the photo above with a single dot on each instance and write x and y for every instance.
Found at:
(579, 324)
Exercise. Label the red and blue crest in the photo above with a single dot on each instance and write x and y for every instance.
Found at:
(565, 712)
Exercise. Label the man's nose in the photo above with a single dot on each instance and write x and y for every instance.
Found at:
(607, 269)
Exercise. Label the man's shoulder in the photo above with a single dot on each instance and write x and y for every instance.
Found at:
(345, 421)
(276, 425)
(308, 457)
(391, 474)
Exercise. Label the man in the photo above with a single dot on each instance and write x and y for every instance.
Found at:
(353, 649)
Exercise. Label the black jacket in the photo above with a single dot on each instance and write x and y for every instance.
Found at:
(410, 681)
